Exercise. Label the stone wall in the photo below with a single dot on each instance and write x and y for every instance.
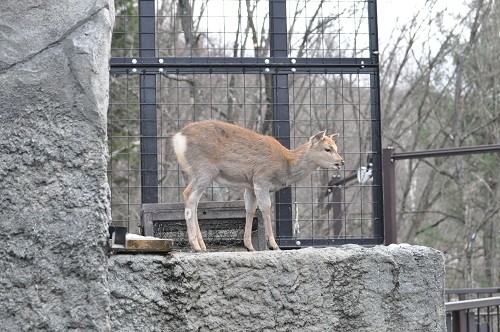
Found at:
(395, 288)
(54, 208)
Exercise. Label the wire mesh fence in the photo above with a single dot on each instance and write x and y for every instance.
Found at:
(235, 28)
(307, 65)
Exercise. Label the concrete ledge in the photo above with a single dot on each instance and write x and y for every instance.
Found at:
(350, 288)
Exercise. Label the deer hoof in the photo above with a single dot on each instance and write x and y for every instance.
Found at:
(275, 248)
(196, 248)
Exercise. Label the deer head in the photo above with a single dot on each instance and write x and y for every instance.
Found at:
(323, 150)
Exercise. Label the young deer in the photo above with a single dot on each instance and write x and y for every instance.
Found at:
(238, 157)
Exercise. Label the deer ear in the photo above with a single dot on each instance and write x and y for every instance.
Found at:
(317, 138)
(335, 136)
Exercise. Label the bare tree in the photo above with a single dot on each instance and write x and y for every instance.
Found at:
(431, 100)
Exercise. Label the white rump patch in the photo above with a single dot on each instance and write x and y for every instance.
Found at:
(180, 145)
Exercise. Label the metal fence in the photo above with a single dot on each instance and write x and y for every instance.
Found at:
(389, 156)
(283, 68)
(473, 310)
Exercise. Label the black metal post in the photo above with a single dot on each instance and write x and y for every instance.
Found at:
(378, 192)
(389, 175)
(281, 113)
(149, 158)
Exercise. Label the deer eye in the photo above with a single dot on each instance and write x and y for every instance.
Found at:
(328, 150)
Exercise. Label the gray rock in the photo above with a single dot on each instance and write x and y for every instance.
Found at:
(350, 288)
(54, 207)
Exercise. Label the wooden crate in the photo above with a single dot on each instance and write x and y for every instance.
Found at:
(221, 223)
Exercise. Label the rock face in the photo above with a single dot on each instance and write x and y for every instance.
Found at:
(395, 288)
(54, 207)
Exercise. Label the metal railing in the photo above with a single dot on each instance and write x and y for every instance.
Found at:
(389, 156)
(473, 310)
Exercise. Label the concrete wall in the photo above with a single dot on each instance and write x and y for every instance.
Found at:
(395, 288)
(54, 208)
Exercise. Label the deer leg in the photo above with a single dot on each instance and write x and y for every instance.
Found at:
(250, 207)
(198, 232)
(264, 201)
(190, 209)
(192, 195)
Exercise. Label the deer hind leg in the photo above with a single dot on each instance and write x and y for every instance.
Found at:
(250, 207)
(264, 202)
(192, 195)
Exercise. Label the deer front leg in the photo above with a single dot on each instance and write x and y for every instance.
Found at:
(250, 207)
(264, 201)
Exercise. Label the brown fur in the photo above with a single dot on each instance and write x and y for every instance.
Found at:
(238, 157)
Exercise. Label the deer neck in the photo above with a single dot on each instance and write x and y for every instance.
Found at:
(300, 164)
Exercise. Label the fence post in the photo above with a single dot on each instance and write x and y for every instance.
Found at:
(149, 149)
(459, 321)
(281, 112)
(389, 187)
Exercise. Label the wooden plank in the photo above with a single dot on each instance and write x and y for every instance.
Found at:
(150, 245)
(202, 215)
(137, 242)
(131, 251)
(152, 207)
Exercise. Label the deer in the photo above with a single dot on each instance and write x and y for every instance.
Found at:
(233, 156)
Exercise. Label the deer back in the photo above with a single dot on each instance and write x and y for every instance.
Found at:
(228, 147)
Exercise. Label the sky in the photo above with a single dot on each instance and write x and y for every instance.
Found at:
(392, 13)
